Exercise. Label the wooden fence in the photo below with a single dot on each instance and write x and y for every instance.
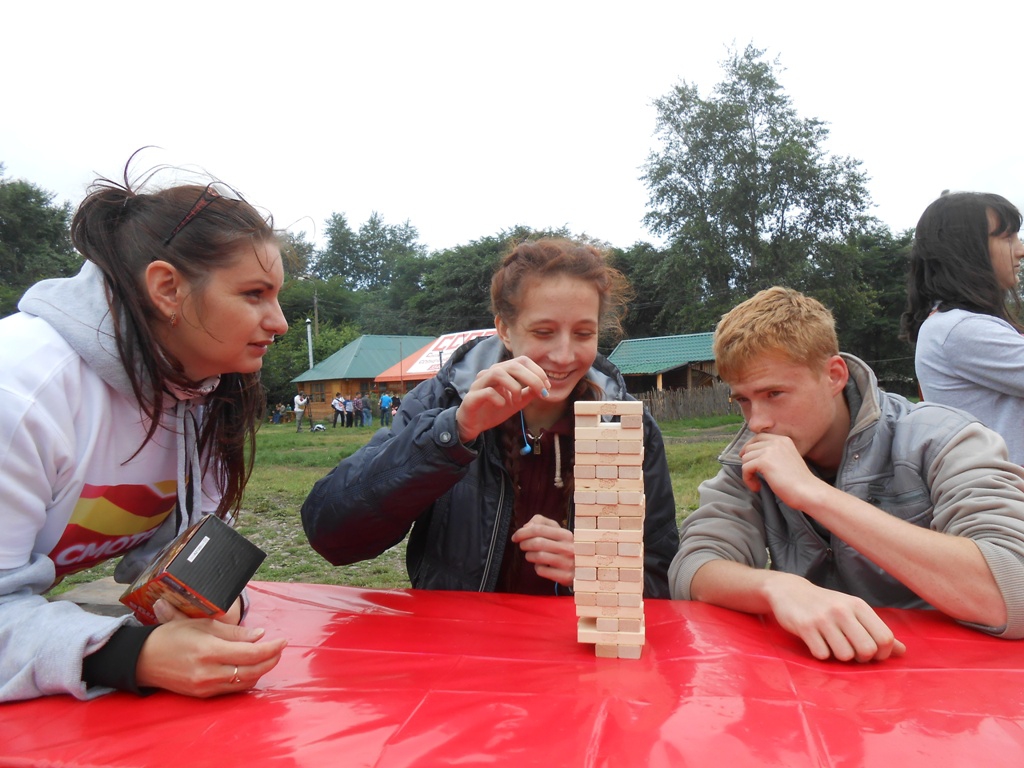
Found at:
(672, 404)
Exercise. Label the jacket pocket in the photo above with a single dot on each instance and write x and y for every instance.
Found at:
(914, 505)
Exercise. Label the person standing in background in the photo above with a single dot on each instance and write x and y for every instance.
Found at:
(300, 405)
(350, 406)
(357, 407)
(367, 410)
(338, 405)
(964, 310)
(385, 410)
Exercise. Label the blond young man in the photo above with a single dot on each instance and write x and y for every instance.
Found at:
(837, 496)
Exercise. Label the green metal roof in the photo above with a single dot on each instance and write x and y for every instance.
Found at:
(661, 353)
(364, 358)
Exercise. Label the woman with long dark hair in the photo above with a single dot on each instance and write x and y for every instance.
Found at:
(129, 400)
(963, 310)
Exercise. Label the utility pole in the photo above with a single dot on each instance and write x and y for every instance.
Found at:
(309, 340)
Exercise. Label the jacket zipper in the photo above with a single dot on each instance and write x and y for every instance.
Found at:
(494, 537)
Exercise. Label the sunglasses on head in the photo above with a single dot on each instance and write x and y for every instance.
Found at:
(213, 191)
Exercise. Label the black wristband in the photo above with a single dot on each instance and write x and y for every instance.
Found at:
(113, 665)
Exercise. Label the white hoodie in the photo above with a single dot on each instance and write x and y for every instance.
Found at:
(77, 489)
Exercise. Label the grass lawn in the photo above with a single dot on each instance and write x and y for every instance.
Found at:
(289, 462)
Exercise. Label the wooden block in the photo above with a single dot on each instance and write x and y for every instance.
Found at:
(607, 600)
(628, 599)
(586, 574)
(631, 523)
(604, 483)
(586, 548)
(585, 472)
(618, 611)
(628, 651)
(630, 472)
(627, 498)
(630, 625)
(605, 547)
(607, 446)
(619, 459)
(609, 561)
(607, 624)
(610, 471)
(607, 497)
(627, 446)
(608, 483)
(631, 510)
(595, 586)
(609, 407)
(584, 497)
(605, 651)
(588, 522)
(632, 421)
(587, 632)
(603, 510)
(607, 523)
(612, 536)
(585, 600)
(607, 574)
(626, 575)
(586, 446)
(608, 430)
(628, 548)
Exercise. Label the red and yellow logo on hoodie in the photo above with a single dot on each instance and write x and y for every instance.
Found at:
(110, 520)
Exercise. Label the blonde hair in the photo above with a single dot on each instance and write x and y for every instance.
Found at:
(777, 321)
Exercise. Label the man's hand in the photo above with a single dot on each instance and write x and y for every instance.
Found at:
(549, 547)
(831, 624)
(775, 460)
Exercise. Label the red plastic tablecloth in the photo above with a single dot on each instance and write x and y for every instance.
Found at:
(407, 678)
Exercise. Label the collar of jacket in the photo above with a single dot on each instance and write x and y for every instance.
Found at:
(481, 353)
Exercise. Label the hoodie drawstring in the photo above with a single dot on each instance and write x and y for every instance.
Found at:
(558, 463)
(189, 491)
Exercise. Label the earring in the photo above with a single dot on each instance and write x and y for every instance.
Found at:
(174, 319)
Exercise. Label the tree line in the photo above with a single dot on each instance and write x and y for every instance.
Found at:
(741, 190)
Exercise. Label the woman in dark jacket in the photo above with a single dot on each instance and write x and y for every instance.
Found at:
(479, 460)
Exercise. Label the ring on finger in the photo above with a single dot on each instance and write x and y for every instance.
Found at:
(234, 677)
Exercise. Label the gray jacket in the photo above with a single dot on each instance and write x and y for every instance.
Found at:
(930, 465)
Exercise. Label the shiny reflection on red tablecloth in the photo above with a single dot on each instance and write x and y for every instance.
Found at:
(407, 678)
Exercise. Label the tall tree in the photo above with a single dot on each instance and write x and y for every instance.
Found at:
(744, 190)
(34, 240)
(340, 257)
(381, 247)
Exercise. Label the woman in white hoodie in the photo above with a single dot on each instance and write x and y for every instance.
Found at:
(129, 400)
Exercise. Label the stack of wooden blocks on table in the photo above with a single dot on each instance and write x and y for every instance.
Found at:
(609, 527)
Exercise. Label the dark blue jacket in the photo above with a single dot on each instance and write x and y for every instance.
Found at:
(458, 499)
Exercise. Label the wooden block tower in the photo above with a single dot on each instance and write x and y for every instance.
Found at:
(609, 533)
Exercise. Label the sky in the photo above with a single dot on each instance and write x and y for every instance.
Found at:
(469, 118)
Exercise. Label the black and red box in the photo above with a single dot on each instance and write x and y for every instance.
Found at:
(201, 572)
